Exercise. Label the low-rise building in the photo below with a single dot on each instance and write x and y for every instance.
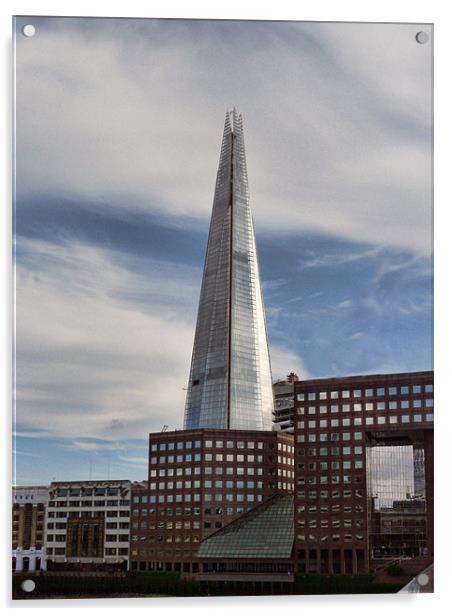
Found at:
(87, 525)
(29, 503)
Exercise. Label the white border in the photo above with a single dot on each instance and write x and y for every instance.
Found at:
(433, 11)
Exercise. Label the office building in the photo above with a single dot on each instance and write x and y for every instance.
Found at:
(87, 525)
(230, 384)
(363, 446)
(199, 481)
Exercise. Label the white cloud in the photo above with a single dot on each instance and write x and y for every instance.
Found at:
(88, 361)
(337, 120)
(284, 361)
(92, 363)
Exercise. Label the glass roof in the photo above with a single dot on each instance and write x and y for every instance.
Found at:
(267, 531)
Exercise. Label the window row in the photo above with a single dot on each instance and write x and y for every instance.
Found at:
(188, 511)
(208, 470)
(207, 483)
(368, 392)
(325, 451)
(323, 466)
(207, 457)
(188, 498)
(168, 524)
(60, 492)
(326, 523)
(325, 479)
(329, 436)
(108, 514)
(357, 407)
(167, 538)
(330, 494)
(89, 503)
(326, 508)
(334, 537)
(208, 444)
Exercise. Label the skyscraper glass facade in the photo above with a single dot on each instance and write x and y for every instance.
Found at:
(230, 382)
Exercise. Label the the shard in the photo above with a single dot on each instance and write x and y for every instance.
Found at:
(230, 382)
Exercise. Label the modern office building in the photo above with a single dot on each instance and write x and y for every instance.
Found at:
(363, 470)
(87, 525)
(29, 504)
(230, 385)
(284, 412)
(199, 481)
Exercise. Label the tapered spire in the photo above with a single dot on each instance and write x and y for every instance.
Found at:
(230, 382)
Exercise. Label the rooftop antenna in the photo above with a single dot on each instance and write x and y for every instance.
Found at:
(164, 429)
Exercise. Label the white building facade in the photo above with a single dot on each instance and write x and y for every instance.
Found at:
(87, 525)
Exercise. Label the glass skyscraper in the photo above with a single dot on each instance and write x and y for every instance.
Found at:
(230, 382)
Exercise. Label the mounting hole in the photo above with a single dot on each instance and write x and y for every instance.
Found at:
(28, 585)
(422, 37)
(422, 579)
(29, 30)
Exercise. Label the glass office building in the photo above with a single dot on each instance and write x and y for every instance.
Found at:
(230, 382)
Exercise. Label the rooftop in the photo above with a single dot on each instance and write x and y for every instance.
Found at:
(267, 531)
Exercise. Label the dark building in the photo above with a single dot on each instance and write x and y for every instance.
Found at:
(363, 444)
(199, 481)
(284, 412)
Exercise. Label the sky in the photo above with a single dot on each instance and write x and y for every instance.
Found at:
(118, 131)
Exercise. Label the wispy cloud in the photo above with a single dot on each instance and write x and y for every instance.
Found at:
(346, 109)
(99, 363)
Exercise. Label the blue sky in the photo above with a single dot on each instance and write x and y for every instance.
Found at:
(119, 125)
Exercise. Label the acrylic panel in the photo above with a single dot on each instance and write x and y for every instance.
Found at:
(223, 367)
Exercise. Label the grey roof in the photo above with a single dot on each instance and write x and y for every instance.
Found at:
(267, 531)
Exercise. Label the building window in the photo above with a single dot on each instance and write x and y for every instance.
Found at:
(369, 393)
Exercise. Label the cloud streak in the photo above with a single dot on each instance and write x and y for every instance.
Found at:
(337, 120)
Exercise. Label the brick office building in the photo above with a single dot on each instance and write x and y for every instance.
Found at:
(29, 503)
(199, 481)
(342, 426)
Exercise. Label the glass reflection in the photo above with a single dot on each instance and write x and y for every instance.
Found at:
(396, 500)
